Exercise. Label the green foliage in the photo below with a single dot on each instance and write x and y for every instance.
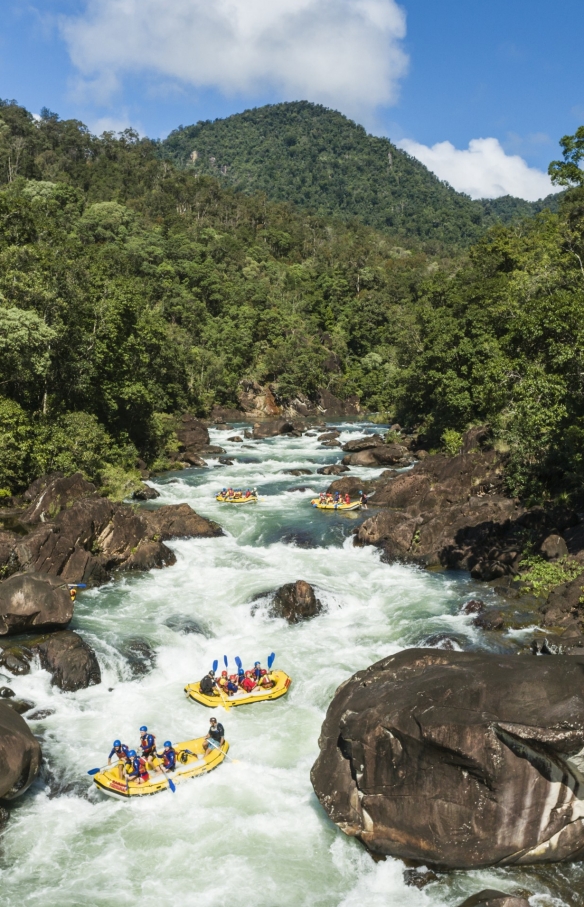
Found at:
(569, 172)
(541, 576)
(15, 446)
(451, 442)
(317, 158)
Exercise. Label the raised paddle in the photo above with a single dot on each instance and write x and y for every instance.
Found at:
(271, 659)
(226, 661)
(215, 666)
(238, 661)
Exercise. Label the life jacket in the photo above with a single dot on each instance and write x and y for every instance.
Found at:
(206, 685)
(139, 766)
(248, 684)
(169, 758)
(147, 744)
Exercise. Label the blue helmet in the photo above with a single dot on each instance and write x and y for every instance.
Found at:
(132, 753)
(359, 492)
(167, 743)
(117, 743)
(256, 664)
(143, 729)
(241, 671)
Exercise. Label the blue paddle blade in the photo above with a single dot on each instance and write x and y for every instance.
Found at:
(271, 659)
(225, 660)
(77, 585)
(93, 771)
(238, 661)
(215, 665)
(171, 785)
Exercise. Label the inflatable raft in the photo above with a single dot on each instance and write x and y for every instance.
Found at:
(188, 766)
(236, 499)
(259, 694)
(344, 507)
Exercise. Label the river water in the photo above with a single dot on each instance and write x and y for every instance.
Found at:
(252, 832)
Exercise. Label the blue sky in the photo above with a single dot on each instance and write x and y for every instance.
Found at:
(481, 92)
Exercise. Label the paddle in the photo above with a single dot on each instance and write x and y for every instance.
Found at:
(271, 659)
(170, 782)
(215, 666)
(226, 661)
(94, 771)
(238, 661)
(215, 746)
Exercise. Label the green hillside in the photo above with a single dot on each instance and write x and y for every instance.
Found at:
(318, 159)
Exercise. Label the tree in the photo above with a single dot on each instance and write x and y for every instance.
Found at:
(568, 172)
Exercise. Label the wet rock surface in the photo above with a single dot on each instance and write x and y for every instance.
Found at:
(31, 601)
(78, 536)
(491, 898)
(473, 744)
(335, 470)
(71, 662)
(295, 602)
(145, 493)
(376, 455)
(272, 428)
(20, 754)
(182, 623)
(140, 656)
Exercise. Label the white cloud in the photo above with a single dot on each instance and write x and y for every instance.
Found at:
(482, 170)
(346, 53)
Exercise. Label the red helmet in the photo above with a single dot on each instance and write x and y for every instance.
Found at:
(223, 673)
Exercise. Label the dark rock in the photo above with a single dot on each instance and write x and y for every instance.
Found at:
(6, 693)
(221, 413)
(299, 539)
(422, 454)
(297, 488)
(459, 741)
(553, 547)
(180, 521)
(236, 438)
(20, 705)
(181, 623)
(419, 878)
(330, 444)
(51, 494)
(140, 656)
(563, 604)
(297, 472)
(329, 435)
(295, 602)
(350, 485)
(145, 493)
(474, 606)
(442, 641)
(378, 455)
(490, 620)
(4, 817)
(70, 661)
(366, 443)
(225, 461)
(194, 460)
(40, 714)
(257, 400)
(335, 470)
(29, 601)
(212, 450)
(333, 406)
(475, 438)
(272, 428)
(193, 436)
(20, 754)
(491, 898)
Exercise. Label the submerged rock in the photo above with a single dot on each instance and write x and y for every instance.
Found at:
(295, 602)
(272, 428)
(335, 470)
(145, 493)
(20, 754)
(20, 705)
(474, 745)
(491, 898)
(32, 601)
(182, 623)
(140, 656)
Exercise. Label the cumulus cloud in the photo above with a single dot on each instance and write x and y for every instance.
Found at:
(346, 53)
(482, 170)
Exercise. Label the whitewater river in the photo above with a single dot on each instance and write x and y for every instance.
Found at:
(251, 833)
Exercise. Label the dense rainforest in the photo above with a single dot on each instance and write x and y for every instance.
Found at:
(132, 289)
(322, 161)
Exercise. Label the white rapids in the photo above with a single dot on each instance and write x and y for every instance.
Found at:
(252, 832)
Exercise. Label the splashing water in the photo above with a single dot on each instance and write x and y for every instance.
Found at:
(251, 832)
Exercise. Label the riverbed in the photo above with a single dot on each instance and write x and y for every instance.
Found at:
(252, 832)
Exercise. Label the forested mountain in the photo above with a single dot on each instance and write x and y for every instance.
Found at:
(131, 290)
(322, 161)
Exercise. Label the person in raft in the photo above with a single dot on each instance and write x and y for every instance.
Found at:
(347, 499)
(208, 684)
(137, 768)
(262, 677)
(216, 736)
(363, 500)
(147, 745)
(120, 750)
(168, 757)
(232, 685)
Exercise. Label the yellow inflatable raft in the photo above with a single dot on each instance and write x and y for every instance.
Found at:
(236, 499)
(259, 694)
(343, 507)
(188, 766)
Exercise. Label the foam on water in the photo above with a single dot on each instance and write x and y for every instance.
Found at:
(252, 831)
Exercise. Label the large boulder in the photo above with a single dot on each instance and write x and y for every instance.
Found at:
(90, 536)
(295, 602)
(272, 428)
(378, 455)
(366, 443)
(32, 601)
(333, 406)
(50, 494)
(491, 898)
(70, 661)
(458, 759)
(20, 754)
(193, 436)
(256, 400)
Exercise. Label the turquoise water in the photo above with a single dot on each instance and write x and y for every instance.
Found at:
(251, 832)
